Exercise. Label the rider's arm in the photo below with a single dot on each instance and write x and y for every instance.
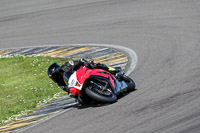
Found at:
(99, 66)
(63, 86)
(96, 64)
(80, 63)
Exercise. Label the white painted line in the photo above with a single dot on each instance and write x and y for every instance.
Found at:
(56, 114)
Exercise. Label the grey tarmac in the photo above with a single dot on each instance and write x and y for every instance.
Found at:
(165, 34)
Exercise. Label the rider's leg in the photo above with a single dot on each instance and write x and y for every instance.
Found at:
(114, 70)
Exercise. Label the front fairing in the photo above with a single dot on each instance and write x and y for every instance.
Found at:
(78, 78)
(72, 81)
(85, 73)
(120, 87)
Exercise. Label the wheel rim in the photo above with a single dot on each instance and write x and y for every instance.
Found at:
(107, 93)
(109, 98)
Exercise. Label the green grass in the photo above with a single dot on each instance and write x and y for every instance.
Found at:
(25, 85)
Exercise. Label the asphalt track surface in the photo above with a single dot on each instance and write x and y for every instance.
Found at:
(165, 34)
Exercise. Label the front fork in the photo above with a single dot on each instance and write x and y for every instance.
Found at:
(100, 86)
(102, 89)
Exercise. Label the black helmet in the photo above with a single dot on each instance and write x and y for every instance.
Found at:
(53, 72)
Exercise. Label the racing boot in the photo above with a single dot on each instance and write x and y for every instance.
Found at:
(83, 101)
(114, 70)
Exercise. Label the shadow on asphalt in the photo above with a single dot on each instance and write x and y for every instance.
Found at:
(95, 104)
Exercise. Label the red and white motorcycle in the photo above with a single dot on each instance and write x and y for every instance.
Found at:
(98, 84)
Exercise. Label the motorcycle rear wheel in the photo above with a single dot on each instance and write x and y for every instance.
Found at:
(99, 97)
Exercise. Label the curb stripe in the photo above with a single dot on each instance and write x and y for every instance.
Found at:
(24, 51)
(44, 49)
(64, 50)
(16, 51)
(91, 53)
(67, 53)
(105, 56)
(3, 52)
(103, 53)
(116, 60)
(110, 57)
(52, 52)
(49, 52)
(32, 51)
(81, 53)
(20, 123)
(123, 64)
(24, 120)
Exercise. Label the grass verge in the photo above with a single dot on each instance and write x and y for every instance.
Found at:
(25, 86)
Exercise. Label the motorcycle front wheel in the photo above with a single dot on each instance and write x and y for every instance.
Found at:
(130, 83)
(103, 96)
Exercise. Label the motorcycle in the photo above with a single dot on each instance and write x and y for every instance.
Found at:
(98, 85)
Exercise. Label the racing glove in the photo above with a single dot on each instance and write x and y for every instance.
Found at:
(65, 88)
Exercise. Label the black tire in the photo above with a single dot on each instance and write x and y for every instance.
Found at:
(130, 83)
(100, 98)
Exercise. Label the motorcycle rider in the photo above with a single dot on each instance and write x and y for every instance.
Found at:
(55, 72)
